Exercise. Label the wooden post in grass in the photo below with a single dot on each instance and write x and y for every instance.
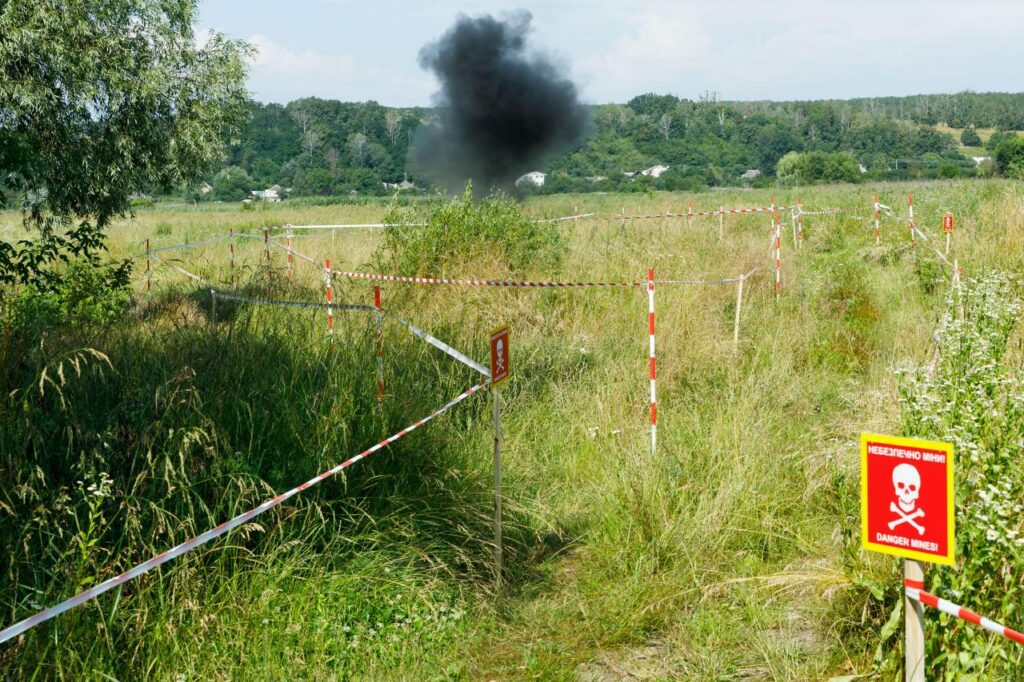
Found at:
(498, 541)
(231, 241)
(878, 229)
(266, 242)
(380, 347)
(912, 228)
(288, 239)
(913, 624)
(149, 278)
(799, 224)
(736, 323)
(500, 370)
(213, 308)
(330, 301)
(721, 221)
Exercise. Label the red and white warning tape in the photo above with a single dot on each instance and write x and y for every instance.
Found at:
(201, 539)
(469, 282)
(915, 590)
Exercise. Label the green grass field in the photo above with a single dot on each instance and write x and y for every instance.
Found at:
(731, 553)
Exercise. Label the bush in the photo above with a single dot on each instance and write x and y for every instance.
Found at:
(84, 294)
(969, 137)
(458, 229)
(1009, 158)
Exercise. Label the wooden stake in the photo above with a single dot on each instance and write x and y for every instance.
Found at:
(497, 489)
(721, 221)
(149, 278)
(736, 324)
(380, 346)
(266, 242)
(231, 238)
(914, 625)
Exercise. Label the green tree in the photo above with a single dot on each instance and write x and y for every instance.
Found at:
(99, 100)
(231, 184)
(1009, 158)
(969, 137)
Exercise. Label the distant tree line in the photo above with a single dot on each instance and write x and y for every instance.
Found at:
(316, 147)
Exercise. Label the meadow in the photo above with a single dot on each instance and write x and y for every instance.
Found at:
(730, 553)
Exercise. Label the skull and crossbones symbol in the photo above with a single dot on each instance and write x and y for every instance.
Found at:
(499, 349)
(906, 482)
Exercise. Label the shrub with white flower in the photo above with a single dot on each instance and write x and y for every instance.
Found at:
(970, 396)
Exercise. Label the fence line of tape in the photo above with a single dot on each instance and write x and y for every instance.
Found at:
(915, 590)
(442, 346)
(201, 539)
(290, 304)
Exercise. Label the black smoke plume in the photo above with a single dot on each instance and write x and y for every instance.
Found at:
(502, 110)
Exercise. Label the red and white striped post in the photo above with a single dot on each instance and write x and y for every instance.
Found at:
(650, 323)
(231, 239)
(380, 346)
(330, 301)
(878, 229)
(288, 242)
(778, 255)
(911, 227)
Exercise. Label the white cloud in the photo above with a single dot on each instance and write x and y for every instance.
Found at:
(280, 74)
(659, 51)
(279, 60)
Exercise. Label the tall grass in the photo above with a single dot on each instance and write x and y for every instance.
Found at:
(727, 553)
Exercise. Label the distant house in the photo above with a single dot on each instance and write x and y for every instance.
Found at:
(751, 174)
(862, 167)
(271, 195)
(205, 188)
(403, 185)
(978, 160)
(596, 178)
(654, 171)
(536, 178)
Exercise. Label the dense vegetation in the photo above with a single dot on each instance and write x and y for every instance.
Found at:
(323, 147)
(98, 102)
(129, 422)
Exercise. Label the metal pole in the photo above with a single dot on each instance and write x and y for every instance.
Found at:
(736, 324)
(497, 489)
(914, 624)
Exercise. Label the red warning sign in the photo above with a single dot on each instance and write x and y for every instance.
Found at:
(499, 356)
(947, 223)
(906, 497)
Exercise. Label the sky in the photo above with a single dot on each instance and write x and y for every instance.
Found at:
(356, 50)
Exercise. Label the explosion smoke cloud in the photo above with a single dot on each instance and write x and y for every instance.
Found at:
(502, 109)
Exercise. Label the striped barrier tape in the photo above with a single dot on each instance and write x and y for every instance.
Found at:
(469, 282)
(183, 271)
(201, 539)
(190, 245)
(293, 252)
(416, 331)
(442, 346)
(479, 282)
(937, 251)
(915, 590)
(290, 304)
